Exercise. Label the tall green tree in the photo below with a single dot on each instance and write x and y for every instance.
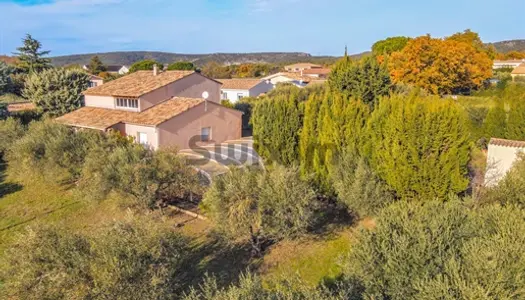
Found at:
(30, 56)
(182, 66)
(333, 124)
(420, 146)
(514, 96)
(366, 79)
(56, 91)
(277, 121)
(390, 45)
(96, 66)
(495, 124)
(144, 65)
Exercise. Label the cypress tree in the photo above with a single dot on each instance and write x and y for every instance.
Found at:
(420, 146)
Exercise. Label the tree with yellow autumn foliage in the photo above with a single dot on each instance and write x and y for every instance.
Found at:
(441, 66)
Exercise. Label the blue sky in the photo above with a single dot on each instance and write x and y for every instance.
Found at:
(208, 26)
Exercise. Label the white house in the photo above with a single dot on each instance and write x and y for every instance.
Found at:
(500, 64)
(116, 69)
(236, 89)
(287, 77)
(501, 157)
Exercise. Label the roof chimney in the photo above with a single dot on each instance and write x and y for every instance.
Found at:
(155, 70)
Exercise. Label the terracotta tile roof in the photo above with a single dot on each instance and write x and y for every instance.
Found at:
(137, 84)
(320, 71)
(520, 70)
(23, 106)
(302, 65)
(103, 118)
(507, 143)
(239, 83)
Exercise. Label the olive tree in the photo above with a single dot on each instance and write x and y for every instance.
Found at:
(251, 204)
(131, 259)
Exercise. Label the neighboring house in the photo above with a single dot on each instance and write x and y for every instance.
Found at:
(236, 89)
(297, 68)
(317, 72)
(287, 77)
(159, 110)
(500, 64)
(519, 71)
(501, 156)
(95, 81)
(115, 69)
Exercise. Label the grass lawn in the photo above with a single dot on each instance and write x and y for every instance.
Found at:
(313, 259)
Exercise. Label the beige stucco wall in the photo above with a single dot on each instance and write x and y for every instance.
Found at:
(99, 101)
(191, 86)
(499, 161)
(133, 131)
(226, 124)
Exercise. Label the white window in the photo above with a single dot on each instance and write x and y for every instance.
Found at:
(224, 96)
(127, 103)
(206, 134)
(240, 96)
(92, 84)
(143, 138)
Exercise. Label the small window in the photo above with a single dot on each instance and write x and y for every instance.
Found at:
(224, 96)
(127, 103)
(240, 96)
(143, 138)
(205, 134)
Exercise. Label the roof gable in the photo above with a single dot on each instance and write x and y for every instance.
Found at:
(103, 118)
(137, 84)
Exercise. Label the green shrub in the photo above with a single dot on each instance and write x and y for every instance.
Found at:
(252, 287)
(420, 146)
(11, 130)
(133, 259)
(144, 65)
(359, 188)
(441, 251)
(510, 191)
(49, 150)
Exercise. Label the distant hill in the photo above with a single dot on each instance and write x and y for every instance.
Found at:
(508, 46)
(128, 58)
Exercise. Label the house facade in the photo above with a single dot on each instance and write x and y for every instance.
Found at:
(518, 71)
(500, 158)
(234, 90)
(95, 81)
(159, 110)
(320, 73)
(502, 64)
(286, 77)
(297, 68)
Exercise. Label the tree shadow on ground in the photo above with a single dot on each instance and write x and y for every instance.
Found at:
(330, 217)
(214, 256)
(7, 188)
